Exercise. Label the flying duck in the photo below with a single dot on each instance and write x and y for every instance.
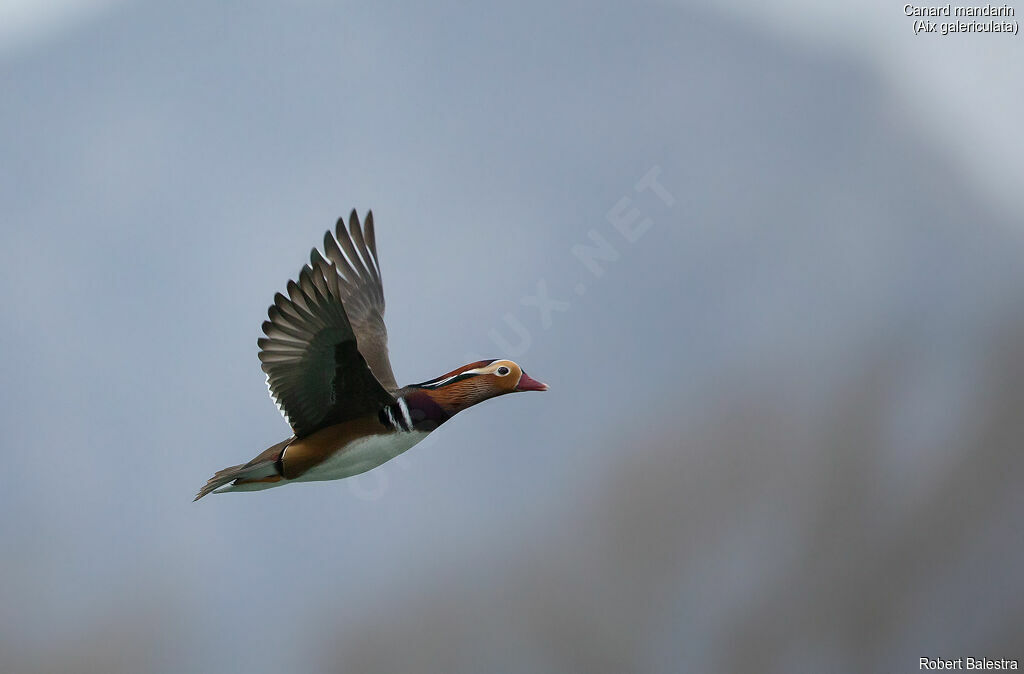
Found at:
(325, 354)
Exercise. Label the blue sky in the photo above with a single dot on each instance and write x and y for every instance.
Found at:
(842, 221)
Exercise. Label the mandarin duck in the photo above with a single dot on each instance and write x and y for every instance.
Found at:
(325, 355)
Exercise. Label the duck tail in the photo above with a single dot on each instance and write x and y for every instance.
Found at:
(262, 472)
(219, 479)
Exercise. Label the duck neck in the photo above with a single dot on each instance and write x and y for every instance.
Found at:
(426, 409)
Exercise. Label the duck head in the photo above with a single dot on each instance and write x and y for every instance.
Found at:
(476, 382)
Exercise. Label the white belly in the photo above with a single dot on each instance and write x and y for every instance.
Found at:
(362, 455)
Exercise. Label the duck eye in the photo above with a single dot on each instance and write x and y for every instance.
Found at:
(501, 371)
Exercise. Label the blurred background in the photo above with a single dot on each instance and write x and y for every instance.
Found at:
(769, 260)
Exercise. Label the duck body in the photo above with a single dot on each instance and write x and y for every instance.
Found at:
(351, 447)
(325, 355)
(343, 451)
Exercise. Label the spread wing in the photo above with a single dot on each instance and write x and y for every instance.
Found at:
(311, 354)
(362, 292)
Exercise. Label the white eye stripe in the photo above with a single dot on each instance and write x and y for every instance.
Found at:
(441, 382)
(435, 384)
(486, 369)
